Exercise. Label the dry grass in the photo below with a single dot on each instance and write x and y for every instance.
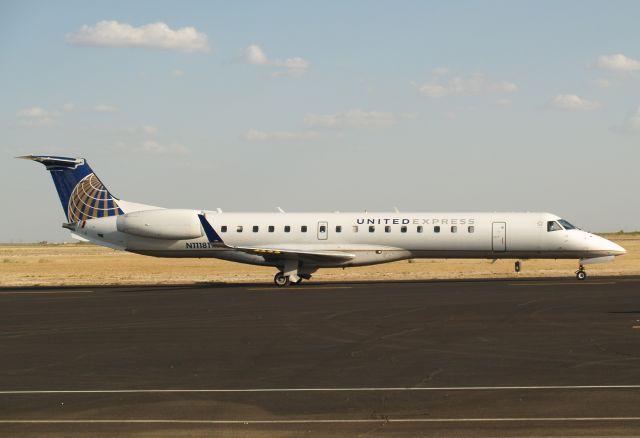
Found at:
(49, 265)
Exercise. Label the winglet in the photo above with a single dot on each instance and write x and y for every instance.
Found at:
(208, 230)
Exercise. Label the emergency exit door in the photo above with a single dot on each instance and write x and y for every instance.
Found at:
(499, 236)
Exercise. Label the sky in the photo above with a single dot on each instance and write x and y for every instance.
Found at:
(325, 106)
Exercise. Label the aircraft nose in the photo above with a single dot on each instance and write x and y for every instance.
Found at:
(610, 247)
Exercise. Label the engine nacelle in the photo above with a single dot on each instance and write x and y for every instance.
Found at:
(166, 224)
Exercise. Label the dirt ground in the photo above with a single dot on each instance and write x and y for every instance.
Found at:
(83, 264)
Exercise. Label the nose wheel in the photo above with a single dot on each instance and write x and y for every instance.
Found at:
(581, 274)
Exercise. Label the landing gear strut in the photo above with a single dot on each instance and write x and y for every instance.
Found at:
(581, 274)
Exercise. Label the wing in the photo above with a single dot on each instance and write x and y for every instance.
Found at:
(315, 255)
(275, 252)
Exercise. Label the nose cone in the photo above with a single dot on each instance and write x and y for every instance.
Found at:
(606, 246)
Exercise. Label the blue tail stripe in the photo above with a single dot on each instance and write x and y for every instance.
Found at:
(208, 229)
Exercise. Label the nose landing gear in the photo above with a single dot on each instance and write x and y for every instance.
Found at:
(581, 274)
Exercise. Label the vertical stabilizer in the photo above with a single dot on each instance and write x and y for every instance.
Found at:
(82, 194)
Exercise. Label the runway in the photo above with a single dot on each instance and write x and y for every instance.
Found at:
(523, 357)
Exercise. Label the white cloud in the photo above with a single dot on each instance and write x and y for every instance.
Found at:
(288, 67)
(574, 103)
(36, 116)
(602, 83)
(255, 55)
(293, 66)
(177, 73)
(433, 90)
(154, 147)
(256, 135)
(154, 35)
(632, 123)
(150, 130)
(351, 118)
(503, 102)
(474, 84)
(68, 107)
(617, 63)
(440, 71)
(103, 108)
(504, 86)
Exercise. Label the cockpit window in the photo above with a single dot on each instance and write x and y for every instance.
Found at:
(553, 226)
(566, 225)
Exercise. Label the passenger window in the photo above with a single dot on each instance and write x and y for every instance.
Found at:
(387, 228)
(436, 229)
(239, 228)
(338, 228)
(553, 226)
(454, 229)
(323, 228)
(223, 228)
(419, 229)
(255, 228)
(355, 228)
(471, 228)
(403, 229)
(271, 228)
(372, 228)
(287, 228)
(303, 228)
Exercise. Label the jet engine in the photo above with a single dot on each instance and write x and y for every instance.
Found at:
(168, 224)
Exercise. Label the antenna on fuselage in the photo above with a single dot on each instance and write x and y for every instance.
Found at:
(396, 209)
(280, 210)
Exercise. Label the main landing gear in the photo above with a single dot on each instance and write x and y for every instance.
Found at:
(292, 272)
(581, 274)
(282, 280)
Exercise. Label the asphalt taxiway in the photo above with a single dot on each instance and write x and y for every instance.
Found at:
(521, 357)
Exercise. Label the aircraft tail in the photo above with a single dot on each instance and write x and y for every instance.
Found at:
(82, 194)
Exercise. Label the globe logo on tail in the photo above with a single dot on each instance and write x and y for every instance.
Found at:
(90, 199)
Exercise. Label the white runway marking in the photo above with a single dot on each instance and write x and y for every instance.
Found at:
(582, 283)
(257, 390)
(49, 292)
(303, 288)
(326, 421)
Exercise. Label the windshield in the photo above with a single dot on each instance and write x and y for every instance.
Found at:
(553, 226)
(566, 225)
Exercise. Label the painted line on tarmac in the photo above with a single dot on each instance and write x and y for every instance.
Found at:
(585, 283)
(258, 390)
(303, 288)
(328, 420)
(51, 292)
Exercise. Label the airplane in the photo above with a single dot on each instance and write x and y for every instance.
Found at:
(298, 244)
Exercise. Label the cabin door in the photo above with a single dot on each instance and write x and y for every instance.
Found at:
(499, 236)
(323, 230)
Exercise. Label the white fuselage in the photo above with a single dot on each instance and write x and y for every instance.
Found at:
(369, 238)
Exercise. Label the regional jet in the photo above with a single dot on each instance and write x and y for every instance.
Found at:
(298, 244)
